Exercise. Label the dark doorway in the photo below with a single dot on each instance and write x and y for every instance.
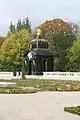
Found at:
(30, 68)
(45, 65)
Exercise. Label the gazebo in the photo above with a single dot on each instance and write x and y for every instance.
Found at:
(39, 57)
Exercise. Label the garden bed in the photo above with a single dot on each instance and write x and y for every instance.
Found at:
(17, 90)
(74, 110)
(32, 85)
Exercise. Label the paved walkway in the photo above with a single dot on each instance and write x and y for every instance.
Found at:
(38, 106)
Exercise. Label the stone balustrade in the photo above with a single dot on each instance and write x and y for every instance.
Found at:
(46, 75)
(9, 75)
(62, 75)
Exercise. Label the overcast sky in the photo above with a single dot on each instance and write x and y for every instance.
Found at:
(38, 11)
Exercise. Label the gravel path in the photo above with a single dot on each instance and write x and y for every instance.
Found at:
(38, 106)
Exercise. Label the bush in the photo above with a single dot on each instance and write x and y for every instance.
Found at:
(74, 110)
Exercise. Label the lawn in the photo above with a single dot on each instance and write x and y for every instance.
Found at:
(59, 85)
(53, 85)
(46, 85)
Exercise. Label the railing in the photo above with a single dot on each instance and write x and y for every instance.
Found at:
(62, 75)
(46, 75)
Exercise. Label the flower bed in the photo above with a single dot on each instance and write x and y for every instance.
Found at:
(74, 110)
(17, 90)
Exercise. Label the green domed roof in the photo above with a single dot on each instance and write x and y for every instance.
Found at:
(39, 43)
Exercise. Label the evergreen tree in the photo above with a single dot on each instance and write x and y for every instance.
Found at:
(28, 24)
(19, 25)
(11, 29)
(23, 24)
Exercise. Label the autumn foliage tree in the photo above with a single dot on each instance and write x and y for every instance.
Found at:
(2, 39)
(13, 50)
(61, 36)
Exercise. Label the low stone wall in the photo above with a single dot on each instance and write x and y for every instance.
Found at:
(9, 75)
(6, 75)
(46, 75)
(62, 75)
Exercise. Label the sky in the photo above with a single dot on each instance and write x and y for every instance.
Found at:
(38, 11)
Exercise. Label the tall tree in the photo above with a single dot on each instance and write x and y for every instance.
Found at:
(13, 49)
(11, 29)
(19, 25)
(74, 56)
(28, 24)
(61, 36)
(23, 24)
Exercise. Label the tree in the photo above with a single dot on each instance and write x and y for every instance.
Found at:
(13, 49)
(60, 50)
(19, 25)
(28, 24)
(2, 39)
(74, 56)
(61, 36)
(11, 29)
(24, 24)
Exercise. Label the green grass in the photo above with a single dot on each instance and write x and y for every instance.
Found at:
(51, 85)
(54, 85)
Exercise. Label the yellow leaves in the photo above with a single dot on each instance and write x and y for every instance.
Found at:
(15, 45)
(53, 26)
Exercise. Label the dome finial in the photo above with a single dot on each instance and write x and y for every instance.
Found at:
(39, 32)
